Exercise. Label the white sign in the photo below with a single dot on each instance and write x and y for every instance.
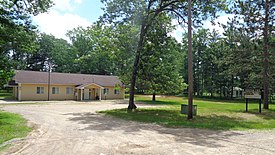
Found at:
(252, 94)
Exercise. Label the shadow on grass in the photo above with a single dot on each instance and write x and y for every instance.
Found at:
(172, 100)
(265, 114)
(173, 118)
(227, 100)
(157, 102)
(101, 123)
(218, 99)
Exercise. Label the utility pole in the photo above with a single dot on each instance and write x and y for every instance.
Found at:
(190, 63)
(266, 56)
(49, 79)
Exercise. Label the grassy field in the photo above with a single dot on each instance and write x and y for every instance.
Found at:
(5, 95)
(212, 114)
(12, 126)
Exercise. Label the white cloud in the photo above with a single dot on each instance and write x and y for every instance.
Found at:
(60, 18)
(58, 24)
(78, 1)
(179, 30)
(63, 5)
(222, 20)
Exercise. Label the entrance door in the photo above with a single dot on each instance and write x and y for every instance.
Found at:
(86, 94)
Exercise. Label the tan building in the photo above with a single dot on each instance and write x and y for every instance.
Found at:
(33, 85)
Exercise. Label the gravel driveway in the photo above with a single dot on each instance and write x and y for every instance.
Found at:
(74, 128)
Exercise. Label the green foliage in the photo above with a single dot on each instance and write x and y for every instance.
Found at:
(159, 66)
(145, 13)
(136, 11)
(102, 49)
(117, 87)
(5, 76)
(17, 35)
(258, 27)
(209, 68)
(56, 51)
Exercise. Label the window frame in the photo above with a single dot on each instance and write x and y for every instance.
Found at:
(116, 92)
(69, 90)
(39, 90)
(55, 90)
(106, 91)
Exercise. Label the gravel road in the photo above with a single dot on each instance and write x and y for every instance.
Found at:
(74, 128)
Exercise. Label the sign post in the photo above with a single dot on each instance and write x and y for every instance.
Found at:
(252, 94)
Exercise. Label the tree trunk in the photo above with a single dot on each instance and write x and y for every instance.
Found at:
(220, 91)
(211, 93)
(190, 63)
(154, 97)
(132, 105)
(265, 56)
(202, 85)
(211, 88)
(232, 86)
(143, 30)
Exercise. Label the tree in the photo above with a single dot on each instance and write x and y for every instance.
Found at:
(258, 17)
(17, 33)
(143, 13)
(159, 65)
(200, 43)
(95, 47)
(38, 60)
(50, 49)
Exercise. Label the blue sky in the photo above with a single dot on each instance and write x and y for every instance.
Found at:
(68, 14)
(89, 9)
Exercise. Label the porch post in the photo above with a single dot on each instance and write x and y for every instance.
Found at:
(76, 94)
(99, 94)
(81, 94)
(19, 91)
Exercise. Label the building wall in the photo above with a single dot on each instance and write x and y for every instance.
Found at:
(238, 93)
(29, 92)
(111, 95)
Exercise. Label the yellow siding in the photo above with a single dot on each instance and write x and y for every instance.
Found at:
(28, 92)
(112, 94)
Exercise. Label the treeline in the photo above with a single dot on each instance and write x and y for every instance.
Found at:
(221, 61)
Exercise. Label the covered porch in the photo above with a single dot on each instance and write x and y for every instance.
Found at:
(89, 91)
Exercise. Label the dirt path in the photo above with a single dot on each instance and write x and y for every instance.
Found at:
(75, 129)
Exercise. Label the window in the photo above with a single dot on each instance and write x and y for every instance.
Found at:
(55, 90)
(40, 90)
(69, 90)
(106, 91)
(116, 91)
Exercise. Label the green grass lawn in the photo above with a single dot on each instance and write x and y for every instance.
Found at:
(12, 126)
(212, 114)
(5, 95)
